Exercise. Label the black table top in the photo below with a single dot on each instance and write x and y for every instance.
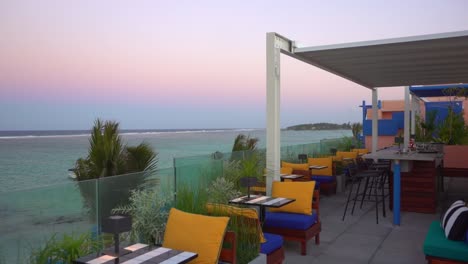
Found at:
(141, 253)
(262, 200)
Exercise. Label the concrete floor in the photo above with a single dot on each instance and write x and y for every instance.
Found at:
(359, 239)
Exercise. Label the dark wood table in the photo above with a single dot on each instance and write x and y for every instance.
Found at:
(291, 176)
(140, 253)
(263, 202)
(317, 167)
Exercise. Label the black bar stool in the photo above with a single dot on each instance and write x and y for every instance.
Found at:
(373, 180)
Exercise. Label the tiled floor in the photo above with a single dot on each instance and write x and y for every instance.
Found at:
(359, 239)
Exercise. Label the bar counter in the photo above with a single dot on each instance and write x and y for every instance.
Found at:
(414, 182)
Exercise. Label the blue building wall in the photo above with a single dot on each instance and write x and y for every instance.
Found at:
(386, 127)
(441, 108)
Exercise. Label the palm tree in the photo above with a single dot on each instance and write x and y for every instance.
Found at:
(356, 128)
(108, 156)
(243, 142)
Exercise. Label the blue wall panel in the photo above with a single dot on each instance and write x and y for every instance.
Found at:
(387, 127)
(442, 109)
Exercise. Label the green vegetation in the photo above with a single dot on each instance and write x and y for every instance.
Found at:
(243, 142)
(356, 128)
(452, 130)
(246, 160)
(222, 190)
(149, 212)
(64, 250)
(320, 126)
(425, 128)
(193, 200)
(108, 156)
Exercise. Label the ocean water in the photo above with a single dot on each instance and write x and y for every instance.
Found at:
(37, 198)
(29, 159)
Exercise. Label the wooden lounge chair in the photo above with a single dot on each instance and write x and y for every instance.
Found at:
(294, 234)
(228, 252)
(440, 250)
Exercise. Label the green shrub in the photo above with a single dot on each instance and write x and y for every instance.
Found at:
(149, 212)
(64, 250)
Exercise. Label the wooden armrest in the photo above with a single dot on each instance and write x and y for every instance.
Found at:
(316, 202)
(228, 253)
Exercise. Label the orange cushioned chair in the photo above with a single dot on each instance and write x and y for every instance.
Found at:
(299, 220)
(347, 155)
(209, 231)
(324, 177)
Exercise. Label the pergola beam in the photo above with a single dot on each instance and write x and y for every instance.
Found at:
(275, 45)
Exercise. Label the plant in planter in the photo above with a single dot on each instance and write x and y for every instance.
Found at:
(356, 128)
(193, 200)
(221, 191)
(345, 144)
(452, 130)
(149, 210)
(64, 250)
(425, 128)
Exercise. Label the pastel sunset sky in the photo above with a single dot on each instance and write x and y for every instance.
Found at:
(189, 64)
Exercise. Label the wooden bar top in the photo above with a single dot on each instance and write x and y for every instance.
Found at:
(393, 153)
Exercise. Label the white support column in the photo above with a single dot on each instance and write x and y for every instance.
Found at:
(406, 129)
(273, 131)
(375, 120)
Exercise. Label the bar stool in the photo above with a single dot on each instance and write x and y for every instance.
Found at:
(372, 179)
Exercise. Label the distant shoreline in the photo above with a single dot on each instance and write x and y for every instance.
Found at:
(320, 126)
(12, 134)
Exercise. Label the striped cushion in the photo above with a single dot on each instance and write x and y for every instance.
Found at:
(455, 221)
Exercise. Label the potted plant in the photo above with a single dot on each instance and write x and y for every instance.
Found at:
(149, 212)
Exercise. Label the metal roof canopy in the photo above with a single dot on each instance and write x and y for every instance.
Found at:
(435, 90)
(421, 60)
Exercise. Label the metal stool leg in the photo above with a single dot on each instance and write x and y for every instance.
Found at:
(347, 202)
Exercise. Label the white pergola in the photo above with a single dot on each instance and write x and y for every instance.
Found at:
(420, 60)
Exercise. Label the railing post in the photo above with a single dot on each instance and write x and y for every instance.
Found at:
(175, 179)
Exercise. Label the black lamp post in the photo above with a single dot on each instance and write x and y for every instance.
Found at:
(117, 224)
(248, 182)
(302, 157)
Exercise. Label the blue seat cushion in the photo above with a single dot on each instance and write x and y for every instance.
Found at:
(273, 242)
(323, 179)
(290, 220)
(317, 185)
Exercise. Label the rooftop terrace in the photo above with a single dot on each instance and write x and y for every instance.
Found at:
(359, 239)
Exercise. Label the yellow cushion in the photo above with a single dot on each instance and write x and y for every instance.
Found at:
(347, 154)
(322, 162)
(361, 151)
(337, 158)
(301, 191)
(295, 166)
(261, 189)
(286, 170)
(223, 209)
(195, 233)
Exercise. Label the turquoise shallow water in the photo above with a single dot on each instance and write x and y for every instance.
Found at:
(37, 199)
(29, 160)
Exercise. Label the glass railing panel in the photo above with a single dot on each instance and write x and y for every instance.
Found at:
(29, 217)
(198, 175)
(115, 191)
